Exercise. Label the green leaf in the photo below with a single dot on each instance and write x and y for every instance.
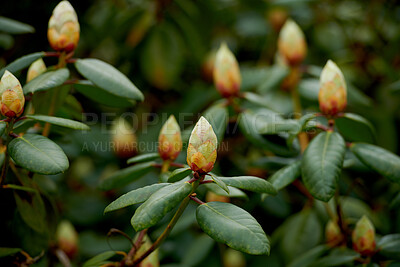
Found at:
(307, 258)
(47, 81)
(257, 99)
(32, 210)
(3, 127)
(286, 175)
(322, 164)
(275, 76)
(109, 78)
(179, 174)
(365, 131)
(102, 96)
(193, 255)
(250, 183)
(99, 260)
(233, 191)
(380, 160)
(143, 158)
(220, 183)
(21, 63)
(125, 176)
(218, 117)
(60, 122)
(8, 251)
(389, 246)
(338, 257)
(278, 126)
(134, 197)
(20, 187)
(233, 226)
(38, 154)
(14, 27)
(159, 204)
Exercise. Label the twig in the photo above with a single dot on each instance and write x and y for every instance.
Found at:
(195, 199)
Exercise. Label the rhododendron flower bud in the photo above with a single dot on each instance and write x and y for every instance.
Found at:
(63, 31)
(202, 149)
(363, 237)
(12, 98)
(333, 91)
(67, 238)
(291, 43)
(170, 141)
(123, 138)
(333, 235)
(227, 77)
(36, 68)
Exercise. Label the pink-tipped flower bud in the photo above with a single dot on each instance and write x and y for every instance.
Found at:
(12, 98)
(67, 238)
(170, 141)
(291, 43)
(333, 235)
(363, 237)
(227, 77)
(123, 138)
(332, 95)
(202, 149)
(63, 31)
(36, 68)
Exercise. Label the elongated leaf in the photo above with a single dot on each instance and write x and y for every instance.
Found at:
(322, 164)
(286, 175)
(276, 74)
(218, 117)
(3, 126)
(389, 246)
(309, 257)
(233, 191)
(134, 197)
(250, 183)
(102, 96)
(32, 210)
(380, 160)
(233, 226)
(14, 27)
(338, 257)
(126, 176)
(365, 131)
(20, 187)
(194, 256)
(143, 158)
(21, 63)
(47, 81)
(60, 122)
(109, 78)
(179, 174)
(38, 154)
(8, 251)
(99, 260)
(220, 183)
(257, 99)
(159, 204)
(274, 127)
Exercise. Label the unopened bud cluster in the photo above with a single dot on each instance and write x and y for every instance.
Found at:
(292, 45)
(36, 68)
(124, 138)
(363, 237)
(12, 98)
(170, 141)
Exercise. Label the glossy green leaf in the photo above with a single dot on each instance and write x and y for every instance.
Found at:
(21, 63)
(279, 126)
(108, 77)
(76, 125)
(143, 158)
(389, 246)
(380, 160)
(125, 176)
(322, 164)
(32, 210)
(8, 251)
(233, 226)
(159, 204)
(14, 27)
(47, 81)
(134, 197)
(102, 96)
(99, 260)
(38, 154)
(250, 183)
(365, 131)
(179, 174)
(286, 175)
(3, 127)
(257, 99)
(233, 191)
(220, 183)
(218, 117)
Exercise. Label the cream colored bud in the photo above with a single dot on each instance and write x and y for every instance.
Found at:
(363, 237)
(123, 138)
(332, 95)
(202, 149)
(63, 31)
(333, 235)
(170, 141)
(227, 77)
(291, 43)
(12, 98)
(67, 238)
(36, 68)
